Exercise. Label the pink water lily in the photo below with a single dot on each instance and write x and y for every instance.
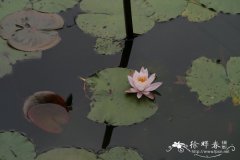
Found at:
(142, 84)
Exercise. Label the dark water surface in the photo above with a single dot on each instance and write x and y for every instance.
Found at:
(168, 49)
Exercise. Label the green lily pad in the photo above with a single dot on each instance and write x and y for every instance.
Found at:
(226, 6)
(53, 6)
(105, 19)
(110, 104)
(9, 56)
(117, 153)
(197, 13)
(120, 153)
(15, 146)
(67, 154)
(29, 30)
(108, 46)
(213, 82)
(10, 6)
(165, 10)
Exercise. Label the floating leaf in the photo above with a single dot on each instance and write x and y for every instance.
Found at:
(120, 153)
(47, 110)
(165, 10)
(9, 56)
(53, 6)
(105, 19)
(67, 154)
(117, 153)
(209, 80)
(197, 13)
(10, 6)
(108, 46)
(111, 105)
(213, 82)
(15, 146)
(30, 30)
(226, 6)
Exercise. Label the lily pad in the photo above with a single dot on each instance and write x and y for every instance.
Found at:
(10, 56)
(67, 154)
(195, 12)
(46, 110)
(53, 6)
(15, 146)
(120, 153)
(29, 30)
(110, 104)
(226, 6)
(213, 82)
(108, 46)
(105, 18)
(10, 6)
(117, 153)
(165, 10)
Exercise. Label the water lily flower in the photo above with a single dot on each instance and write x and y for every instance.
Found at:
(142, 84)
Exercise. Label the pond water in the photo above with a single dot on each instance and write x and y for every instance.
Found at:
(168, 50)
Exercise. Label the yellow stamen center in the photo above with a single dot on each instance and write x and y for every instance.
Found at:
(142, 79)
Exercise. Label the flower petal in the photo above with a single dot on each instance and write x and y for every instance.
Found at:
(135, 75)
(130, 80)
(150, 95)
(153, 86)
(151, 79)
(139, 95)
(139, 86)
(132, 90)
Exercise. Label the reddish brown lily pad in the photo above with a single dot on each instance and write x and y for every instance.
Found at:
(46, 110)
(29, 30)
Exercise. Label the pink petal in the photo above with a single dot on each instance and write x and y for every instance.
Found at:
(151, 78)
(132, 90)
(153, 86)
(139, 95)
(139, 86)
(130, 80)
(150, 95)
(135, 75)
(142, 69)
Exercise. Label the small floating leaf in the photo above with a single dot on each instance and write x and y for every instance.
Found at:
(209, 80)
(197, 13)
(67, 154)
(108, 46)
(53, 6)
(10, 56)
(47, 110)
(165, 10)
(10, 6)
(30, 30)
(226, 6)
(213, 82)
(15, 146)
(120, 153)
(111, 105)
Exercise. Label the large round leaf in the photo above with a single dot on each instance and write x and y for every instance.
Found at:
(105, 18)
(29, 30)
(110, 104)
(120, 153)
(53, 6)
(197, 13)
(209, 80)
(226, 6)
(67, 154)
(9, 56)
(10, 6)
(15, 146)
(165, 10)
